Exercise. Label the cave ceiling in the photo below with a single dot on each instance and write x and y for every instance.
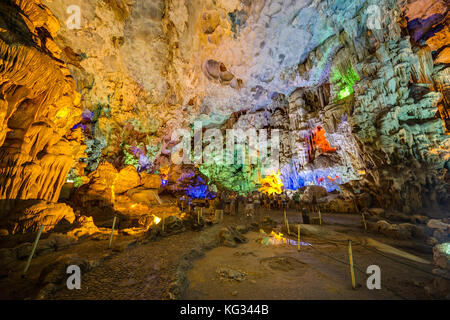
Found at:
(364, 82)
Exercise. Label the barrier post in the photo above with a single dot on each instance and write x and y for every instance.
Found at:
(33, 250)
(112, 231)
(350, 255)
(364, 221)
(286, 222)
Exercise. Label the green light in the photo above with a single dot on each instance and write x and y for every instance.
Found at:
(344, 80)
(344, 93)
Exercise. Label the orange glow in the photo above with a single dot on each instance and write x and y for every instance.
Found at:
(277, 238)
(164, 171)
(441, 152)
(320, 141)
(272, 184)
(62, 113)
(113, 192)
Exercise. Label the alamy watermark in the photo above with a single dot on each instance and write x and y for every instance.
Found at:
(374, 280)
(249, 147)
(74, 280)
(74, 20)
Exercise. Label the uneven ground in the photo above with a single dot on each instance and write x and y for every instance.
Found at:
(146, 271)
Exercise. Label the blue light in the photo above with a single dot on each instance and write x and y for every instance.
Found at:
(197, 192)
(79, 125)
(293, 179)
(198, 189)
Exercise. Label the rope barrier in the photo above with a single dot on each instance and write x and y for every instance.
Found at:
(356, 268)
(383, 255)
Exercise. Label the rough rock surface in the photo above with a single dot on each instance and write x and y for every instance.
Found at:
(360, 108)
(31, 218)
(39, 105)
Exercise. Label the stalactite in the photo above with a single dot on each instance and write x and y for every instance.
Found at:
(39, 106)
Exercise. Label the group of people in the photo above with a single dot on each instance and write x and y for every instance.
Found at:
(232, 203)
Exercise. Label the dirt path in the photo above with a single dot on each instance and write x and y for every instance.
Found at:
(280, 272)
(152, 270)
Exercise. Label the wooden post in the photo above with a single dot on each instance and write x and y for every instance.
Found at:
(163, 222)
(364, 221)
(33, 249)
(112, 232)
(198, 217)
(286, 223)
(350, 255)
(320, 217)
(298, 237)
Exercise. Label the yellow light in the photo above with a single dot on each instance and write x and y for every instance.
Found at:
(362, 172)
(156, 220)
(113, 188)
(272, 184)
(62, 113)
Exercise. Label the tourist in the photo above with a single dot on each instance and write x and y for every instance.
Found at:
(219, 207)
(249, 207)
(236, 202)
(285, 200)
(211, 206)
(227, 200)
(257, 202)
(297, 201)
(232, 205)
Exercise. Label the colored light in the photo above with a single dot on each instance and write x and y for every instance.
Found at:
(78, 125)
(294, 179)
(62, 113)
(344, 81)
(272, 184)
(197, 192)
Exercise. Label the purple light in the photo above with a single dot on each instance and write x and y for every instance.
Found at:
(88, 115)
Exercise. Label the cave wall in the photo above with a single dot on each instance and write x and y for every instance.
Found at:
(147, 68)
(38, 106)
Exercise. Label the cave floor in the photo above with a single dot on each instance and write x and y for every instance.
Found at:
(146, 271)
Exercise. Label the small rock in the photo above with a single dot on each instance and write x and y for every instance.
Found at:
(437, 224)
(432, 241)
(376, 211)
(441, 255)
(234, 293)
(230, 274)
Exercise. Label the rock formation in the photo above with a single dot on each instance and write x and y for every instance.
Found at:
(39, 105)
(359, 91)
